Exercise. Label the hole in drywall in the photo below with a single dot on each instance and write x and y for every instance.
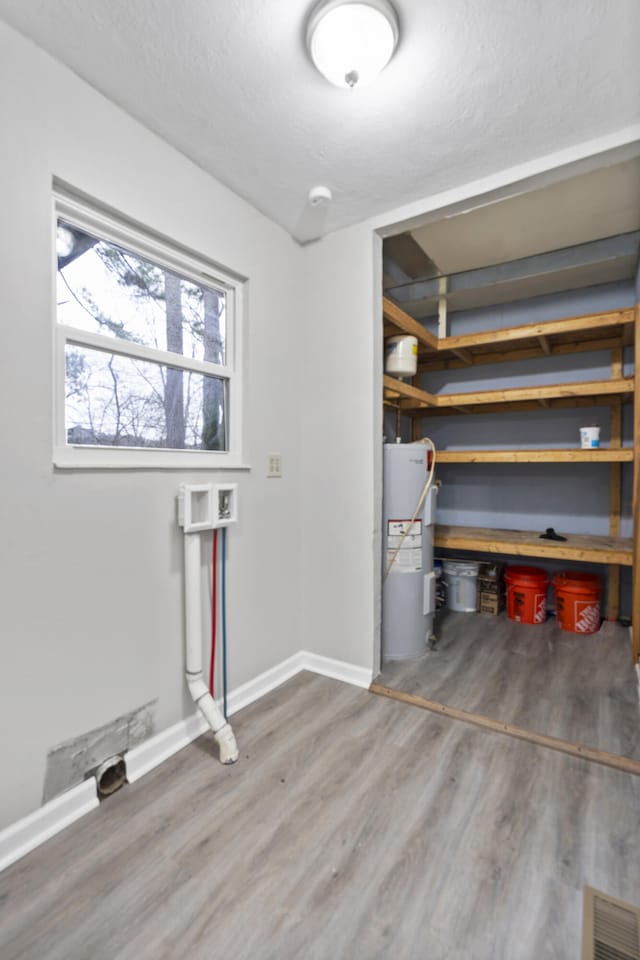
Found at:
(75, 760)
(110, 776)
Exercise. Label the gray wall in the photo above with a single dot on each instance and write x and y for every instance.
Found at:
(91, 596)
(572, 498)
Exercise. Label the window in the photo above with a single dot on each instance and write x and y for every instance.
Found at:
(147, 371)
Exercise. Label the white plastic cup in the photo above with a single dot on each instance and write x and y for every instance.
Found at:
(589, 437)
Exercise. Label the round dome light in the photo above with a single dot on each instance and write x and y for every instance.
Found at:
(351, 42)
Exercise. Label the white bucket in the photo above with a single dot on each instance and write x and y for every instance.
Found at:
(401, 356)
(462, 585)
(589, 437)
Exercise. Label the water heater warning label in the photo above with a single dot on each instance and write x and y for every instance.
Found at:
(407, 537)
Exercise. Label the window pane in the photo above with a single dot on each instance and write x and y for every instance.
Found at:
(106, 289)
(120, 401)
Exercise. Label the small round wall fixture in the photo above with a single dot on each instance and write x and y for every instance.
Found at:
(319, 196)
(350, 42)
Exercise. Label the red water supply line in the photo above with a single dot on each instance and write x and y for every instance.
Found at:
(214, 595)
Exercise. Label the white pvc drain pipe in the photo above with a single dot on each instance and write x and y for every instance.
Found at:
(198, 689)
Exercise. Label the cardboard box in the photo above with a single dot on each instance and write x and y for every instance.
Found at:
(492, 603)
(491, 597)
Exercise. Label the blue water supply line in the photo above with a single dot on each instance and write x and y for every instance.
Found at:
(224, 620)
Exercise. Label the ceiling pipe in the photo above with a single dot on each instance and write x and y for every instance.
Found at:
(198, 689)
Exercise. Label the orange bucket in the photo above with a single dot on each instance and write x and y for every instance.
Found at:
(578, 601)
(526, 594)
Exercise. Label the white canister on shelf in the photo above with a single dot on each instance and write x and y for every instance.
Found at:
(401, 356)
(589, 437)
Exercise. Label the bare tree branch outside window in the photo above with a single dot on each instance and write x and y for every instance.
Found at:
(116, 400)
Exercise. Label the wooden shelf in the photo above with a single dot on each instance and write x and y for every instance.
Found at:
(590, 327)
(612, 330)
(401, 322)
(596, 391)
(509, 407)
(429, 362)
(595, 331)
(590, 388)
(577, 455)
(521, 543)
(395, 389)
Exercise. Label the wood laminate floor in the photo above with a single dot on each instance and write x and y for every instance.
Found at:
(579, 688)
(352, 827)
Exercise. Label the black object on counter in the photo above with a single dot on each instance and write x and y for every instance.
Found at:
(551, 535)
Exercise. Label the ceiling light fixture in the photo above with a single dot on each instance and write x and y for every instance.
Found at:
(351, 42)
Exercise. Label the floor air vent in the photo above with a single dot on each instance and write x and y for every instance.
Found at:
(611, 928)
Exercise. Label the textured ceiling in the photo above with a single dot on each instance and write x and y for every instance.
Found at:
(474, 88)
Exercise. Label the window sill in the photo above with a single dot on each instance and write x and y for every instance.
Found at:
(98, 458)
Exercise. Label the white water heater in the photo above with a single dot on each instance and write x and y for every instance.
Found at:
(409, 584)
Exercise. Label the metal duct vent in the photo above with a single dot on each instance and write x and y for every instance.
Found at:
(611, 928)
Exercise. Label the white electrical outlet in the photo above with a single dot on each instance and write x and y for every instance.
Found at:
(274, 465)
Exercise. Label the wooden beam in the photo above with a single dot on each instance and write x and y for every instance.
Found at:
(546, 391)
(635, 602)
(594, 321)
(544, 403)
(572, 325)
(615, 490)
(544, 343)
(527, 353)
(559, 403)
(617, 370)
(415, 394)
(526, 543)
(613, 599)
(407, 324)
(592, 754)
(569, 455)
(465, 356)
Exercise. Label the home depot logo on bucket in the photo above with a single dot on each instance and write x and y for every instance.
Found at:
(525, 612)
(526, 594)
(586, 616)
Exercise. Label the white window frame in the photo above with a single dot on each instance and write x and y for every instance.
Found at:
(104, 224)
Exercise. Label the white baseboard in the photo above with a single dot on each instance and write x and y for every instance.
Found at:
(336, 669)
(264, 683)
(152, 752)
(303, 660)
(23, 836)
